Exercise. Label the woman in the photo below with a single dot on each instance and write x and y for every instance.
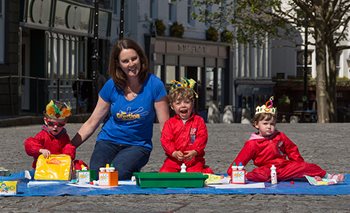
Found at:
(130, 99)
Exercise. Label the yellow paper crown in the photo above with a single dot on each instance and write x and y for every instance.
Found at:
(185, 83)
(57, 110)
(267, 108)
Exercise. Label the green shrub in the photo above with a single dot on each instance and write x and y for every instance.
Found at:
(226, 36)
(212, 34)
(160, 27)
(177, 30)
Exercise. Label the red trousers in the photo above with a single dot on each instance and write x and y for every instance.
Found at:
(170, 165)
(285, 171)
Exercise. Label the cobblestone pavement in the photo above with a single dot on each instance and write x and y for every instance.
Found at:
(324, 144)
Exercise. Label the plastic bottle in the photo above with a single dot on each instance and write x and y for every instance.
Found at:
(240, 166)
(234, 169)
(183, 168)
(234, 166)
(111, 168)
(273, 175)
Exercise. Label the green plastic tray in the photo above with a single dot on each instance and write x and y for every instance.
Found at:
(170, 180)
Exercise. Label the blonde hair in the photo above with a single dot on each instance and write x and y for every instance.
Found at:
(181, 93)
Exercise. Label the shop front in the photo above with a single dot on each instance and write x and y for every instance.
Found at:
(56, 45)
(208, 63)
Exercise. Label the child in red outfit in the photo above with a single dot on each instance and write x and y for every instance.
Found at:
(270, 147)
(185, 135)
(53, 138)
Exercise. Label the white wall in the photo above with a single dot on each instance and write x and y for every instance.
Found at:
(139, 19)
(284, 57)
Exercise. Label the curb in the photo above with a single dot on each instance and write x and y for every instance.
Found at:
(32, 120)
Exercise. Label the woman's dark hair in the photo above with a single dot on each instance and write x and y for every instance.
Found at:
(115, 71)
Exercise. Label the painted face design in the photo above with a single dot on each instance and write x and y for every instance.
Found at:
(54, 126)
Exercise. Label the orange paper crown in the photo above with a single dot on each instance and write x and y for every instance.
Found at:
(57, 110)
(267, 108)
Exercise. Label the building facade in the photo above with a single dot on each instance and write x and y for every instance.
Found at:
(290, 60)
(227, 73)
(9, 23)
(49, 44)
(45, 44)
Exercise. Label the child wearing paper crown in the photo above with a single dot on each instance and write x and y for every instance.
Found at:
(53, 137)
(184, 136)
(269, 147)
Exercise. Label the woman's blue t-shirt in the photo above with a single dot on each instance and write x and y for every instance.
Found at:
(131, 122)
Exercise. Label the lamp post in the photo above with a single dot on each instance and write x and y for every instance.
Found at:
(121, 22)
(95, 55)
(305, 95)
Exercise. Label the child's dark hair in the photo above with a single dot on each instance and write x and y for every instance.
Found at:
(263, 116)
(181, 93)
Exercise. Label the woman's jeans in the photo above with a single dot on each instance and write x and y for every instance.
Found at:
(125, 158)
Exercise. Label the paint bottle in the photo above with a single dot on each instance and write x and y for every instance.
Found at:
(240, 166)
(183, 168)
(273, 175)
(234, 170)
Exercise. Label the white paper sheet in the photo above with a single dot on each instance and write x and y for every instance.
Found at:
(238, 186)
(44, 182)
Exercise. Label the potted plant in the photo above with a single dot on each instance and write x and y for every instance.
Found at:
(212, 34)
(177, 30)
(226, 36)
(160, 27)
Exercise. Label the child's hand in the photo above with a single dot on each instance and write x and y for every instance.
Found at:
(190, 154)
(45, 152)
(178, 155)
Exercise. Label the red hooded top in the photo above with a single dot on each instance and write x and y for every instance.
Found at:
(179, 136)
(276, 150)
(59, 144)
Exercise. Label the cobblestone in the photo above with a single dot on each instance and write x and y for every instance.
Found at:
(324, 144)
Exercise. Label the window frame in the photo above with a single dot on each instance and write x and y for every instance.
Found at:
(190, 10)
(172, 11)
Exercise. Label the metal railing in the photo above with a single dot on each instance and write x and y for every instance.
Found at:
(34, 92)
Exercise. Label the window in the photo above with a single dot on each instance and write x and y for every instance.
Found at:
(153, 9)
(172, 11)
(115, 7)
(2, 32)
(300, 63)
(1, 8)
(190, 9)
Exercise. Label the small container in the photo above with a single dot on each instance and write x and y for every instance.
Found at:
(86, 176)
(8, 188)
(108, 178)
(238, 174)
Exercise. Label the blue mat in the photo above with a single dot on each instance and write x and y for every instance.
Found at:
(282, 188)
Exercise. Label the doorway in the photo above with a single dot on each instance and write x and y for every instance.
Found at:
(25, 72)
